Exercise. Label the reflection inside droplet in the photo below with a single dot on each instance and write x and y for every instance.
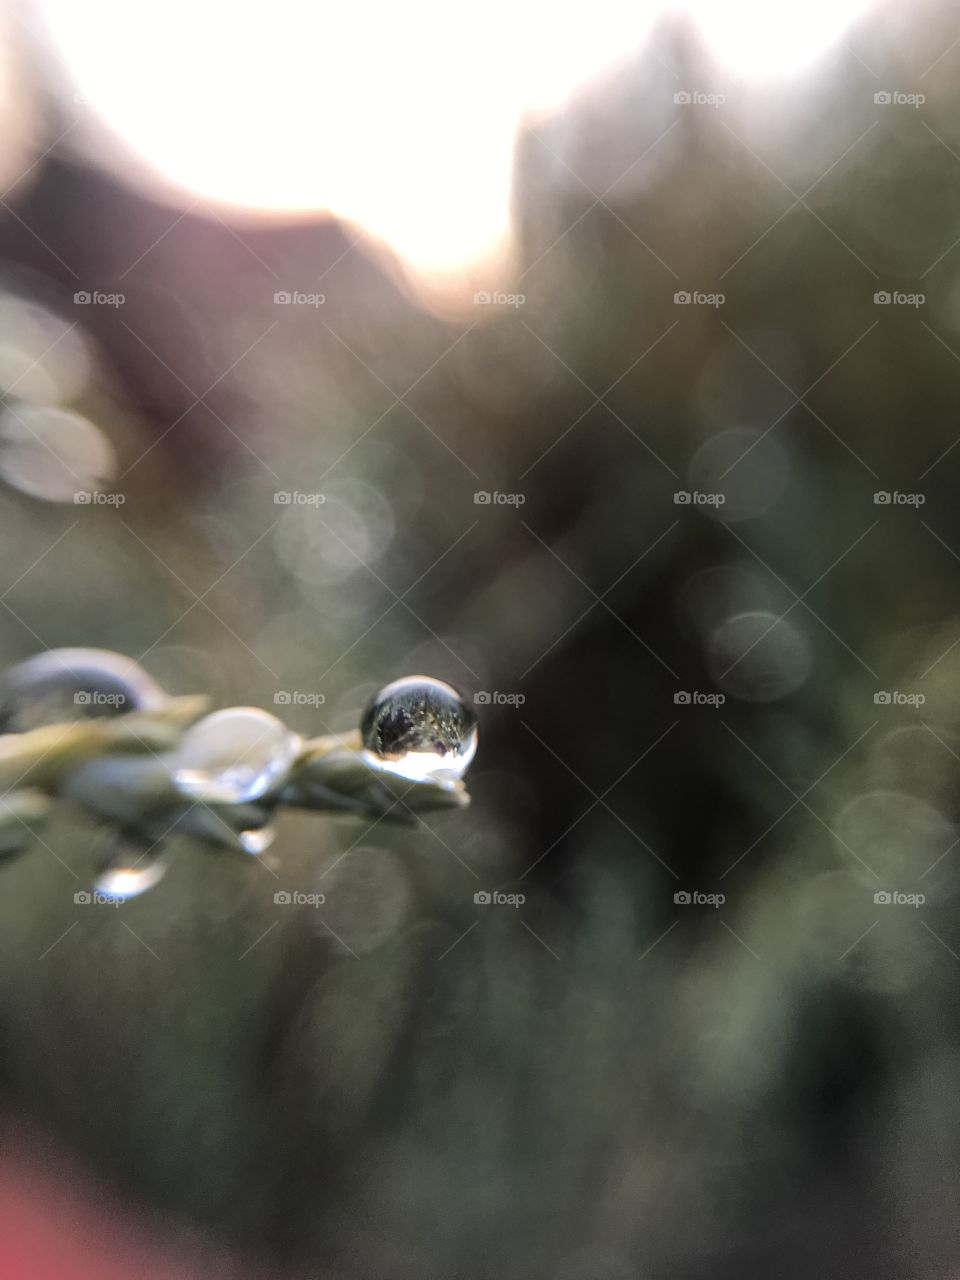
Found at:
(420, 728)
(234, 756)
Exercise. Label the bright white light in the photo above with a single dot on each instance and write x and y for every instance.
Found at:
(424, 766)
(401, 118)
(760, 38)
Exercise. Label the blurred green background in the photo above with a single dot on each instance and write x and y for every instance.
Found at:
(707, 657)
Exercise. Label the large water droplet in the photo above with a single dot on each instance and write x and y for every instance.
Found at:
(420, 728)
(53, 453)
(234, 756)
(128, 868)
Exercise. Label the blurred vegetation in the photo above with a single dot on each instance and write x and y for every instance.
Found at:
(601, 1082)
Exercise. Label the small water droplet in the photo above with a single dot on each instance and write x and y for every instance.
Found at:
(420, 728)
(259, 840)
(234, 756)
(67, 684)
(128, 868)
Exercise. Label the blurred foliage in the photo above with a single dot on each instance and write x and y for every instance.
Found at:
(601, 1082)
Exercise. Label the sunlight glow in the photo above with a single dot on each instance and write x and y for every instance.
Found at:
(400, 119)
(760, 38)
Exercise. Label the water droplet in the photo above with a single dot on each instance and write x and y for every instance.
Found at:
(259, 840)
(128, 868)
(53, 454)
(234, 756)
(67, 684)
(420, 728)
